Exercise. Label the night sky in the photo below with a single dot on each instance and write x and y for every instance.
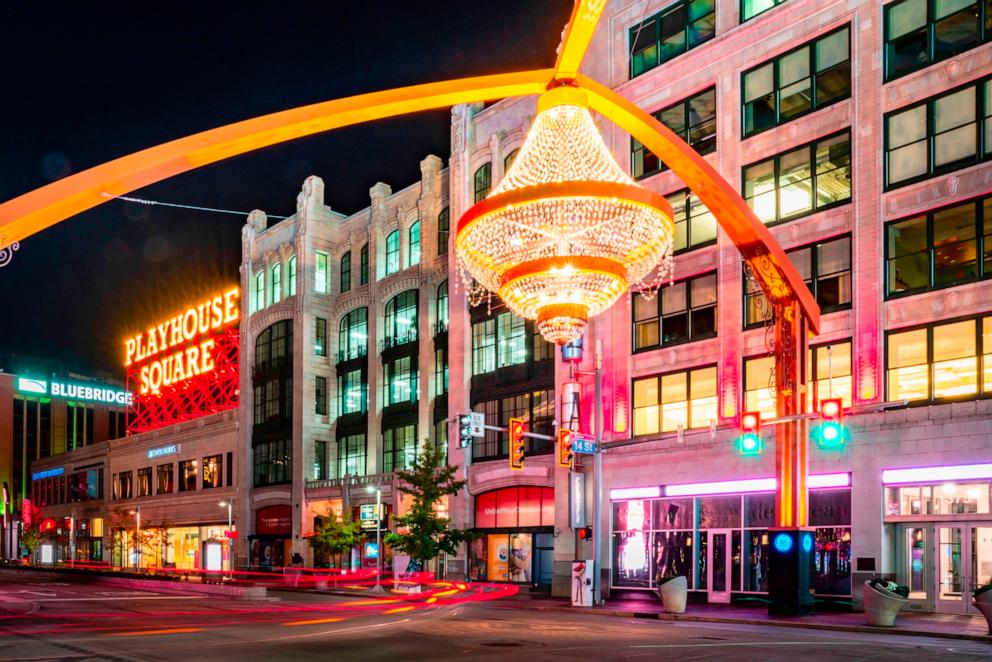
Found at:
(84, 84)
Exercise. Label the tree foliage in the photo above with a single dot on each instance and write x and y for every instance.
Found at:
(336, 535)
(31, 537)
(427, 532)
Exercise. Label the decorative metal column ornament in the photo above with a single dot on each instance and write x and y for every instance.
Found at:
(7, 250)
(566, 232)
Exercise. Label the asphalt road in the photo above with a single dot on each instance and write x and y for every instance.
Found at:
(72, 620)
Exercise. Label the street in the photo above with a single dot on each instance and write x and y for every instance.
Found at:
(71, 619)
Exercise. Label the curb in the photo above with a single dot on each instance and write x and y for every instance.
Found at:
(755, 621)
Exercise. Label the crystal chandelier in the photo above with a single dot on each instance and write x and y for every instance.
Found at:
(566, 231)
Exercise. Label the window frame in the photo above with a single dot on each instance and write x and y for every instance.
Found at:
(636, 146)
(393, 452)
(321, 265)
(320, 337)
(390, 381)
(688, 389)
(343, 390)
(320, 395)
(345, 350)
(276, 283)
(391, 264)
(259, 299)
(815, 397)
(363, 267)
(443, 230)
(392, 335)
(775, 4)
(660, 315)
(634, 31)
(413, 244)
(929, 29)
(346, 453)
(345, 284)
(292, 275)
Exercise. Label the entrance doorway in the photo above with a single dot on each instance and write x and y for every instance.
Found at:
(943, 563)
(718, 557)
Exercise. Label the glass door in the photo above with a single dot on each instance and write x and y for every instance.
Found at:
(917, 564)
(718, 565)
(981, 560)
(951, 571)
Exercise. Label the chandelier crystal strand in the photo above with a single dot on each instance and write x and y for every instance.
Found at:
(566, 232)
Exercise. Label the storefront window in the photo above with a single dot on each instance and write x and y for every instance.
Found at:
(630, 559)
(145, 481)
(187, 475)
(164, 472)
(945, 499)
(673, 514)
(212, 472)
(672, 555)
(722, 512)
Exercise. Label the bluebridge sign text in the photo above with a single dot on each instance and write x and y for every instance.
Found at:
(69, 391)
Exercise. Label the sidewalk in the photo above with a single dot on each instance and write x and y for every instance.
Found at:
(946, 626)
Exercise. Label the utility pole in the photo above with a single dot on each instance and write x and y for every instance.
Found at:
(597, 534)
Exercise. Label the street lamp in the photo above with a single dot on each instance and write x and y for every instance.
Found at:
(378, 537)
(137, 536)
(230, 539)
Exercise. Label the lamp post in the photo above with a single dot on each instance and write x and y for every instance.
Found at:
(230, 539)
(378, 537)
(137, 537)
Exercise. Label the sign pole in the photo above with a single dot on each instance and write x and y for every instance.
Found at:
(598, 482)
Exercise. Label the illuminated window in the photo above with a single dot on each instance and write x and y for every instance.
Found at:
(274, 347)
(671, 32)
(401, 380)
(938, 135)
(687, 312)
(400, 319)
(801, 181)
(798, 82)
(292, 276)
(511, 341)
(759, 385)
(824, 267)
(320, 337)
(352, 392)
(353, 335)
(363, 270)
(664, 402)
(319, 460)
(483, 347)
(441, 308)
(320, 396)
(443, 230)
(946, 247)
(259, 290)
(123, 485)
(273, 462)
(346, 272)
(399, 447)
(213, 474)
(830, 374)
(482, 181)
(695, 225)
(320, 273)
(987, 354)
(393, 252)
(919, 33)
(414, 241)
(751, 8)
(276, 283)
(352, 451)
(935, 362)
(693, 120)
(164, 473)
(187, 476)
(145, 481)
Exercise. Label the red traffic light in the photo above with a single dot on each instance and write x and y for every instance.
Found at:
(585, 533)
(751, 421)
(565, 448)
(516, 430)
(832, 409)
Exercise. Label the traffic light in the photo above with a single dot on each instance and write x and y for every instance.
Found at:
(831, 432)
(464, 430)
(749, 443)
(585, 533)
(565, 448)
(516, 428)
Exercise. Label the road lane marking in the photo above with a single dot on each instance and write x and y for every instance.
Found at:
(315, 621)
(151, 633)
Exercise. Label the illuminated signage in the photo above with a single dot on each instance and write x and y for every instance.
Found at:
(185, 366)
(164, 450)
(70, 391)
(47, 473)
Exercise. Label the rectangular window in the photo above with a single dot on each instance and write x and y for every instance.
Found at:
(440, 440)
(273, 463)
(352, 452)
(830, 374)
(512, 340)
(759, 386)
(187, 475)
(542, 349)
(674, 30)
(440, 371)
(352, 392)
(919, 33)
(213, 471)
(320, 396)
(483, 347)
(826, 269)
(345, 272)
(482, 181)
(936, 136)
(320, 338)
(443, 230)
(695, 224)
(292, 276)
(230, 468)
(145, 482)
(663, 403)
(319, 460)
(941, 248)
(413, 255)
(259, 290)
(276, 283)
(164, 472)
(800, 182)
(693, 120)
(393, 252)
(363, 267)
(801, 81)
(320, 273)
(937, 362)
(399, 447)
(751, 8)
(536, 408)
(681, 312)
(401, 381)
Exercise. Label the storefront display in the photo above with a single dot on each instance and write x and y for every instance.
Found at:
(516, 540)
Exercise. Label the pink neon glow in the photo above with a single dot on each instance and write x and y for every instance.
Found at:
(936, 474)
(620, 493)
(818, 481)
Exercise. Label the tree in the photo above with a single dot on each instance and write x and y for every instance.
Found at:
(427, 533)
(336, 535)
(31, 539)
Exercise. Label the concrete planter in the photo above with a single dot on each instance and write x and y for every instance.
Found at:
(881, 606)
(983, 603)
(673, 595)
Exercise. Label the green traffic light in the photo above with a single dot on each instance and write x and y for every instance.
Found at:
(830, 435)
(749, 444)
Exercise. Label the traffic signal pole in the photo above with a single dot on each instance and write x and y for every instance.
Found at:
(598, 482)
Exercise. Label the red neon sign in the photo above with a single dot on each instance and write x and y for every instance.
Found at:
(185, 367)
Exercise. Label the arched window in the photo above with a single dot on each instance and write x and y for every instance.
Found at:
(346, 272)
(274, 346)
(259, 290)
(363, 267)
(276, 283)
(508, 160)
(441, 308)
(273, 374)
(443, 230)
(482, 181)
(393, 252)
(292, 276)
(353, 335)
(414, 241)
(400, 319)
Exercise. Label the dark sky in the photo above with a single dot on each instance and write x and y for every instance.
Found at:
(84, 83)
